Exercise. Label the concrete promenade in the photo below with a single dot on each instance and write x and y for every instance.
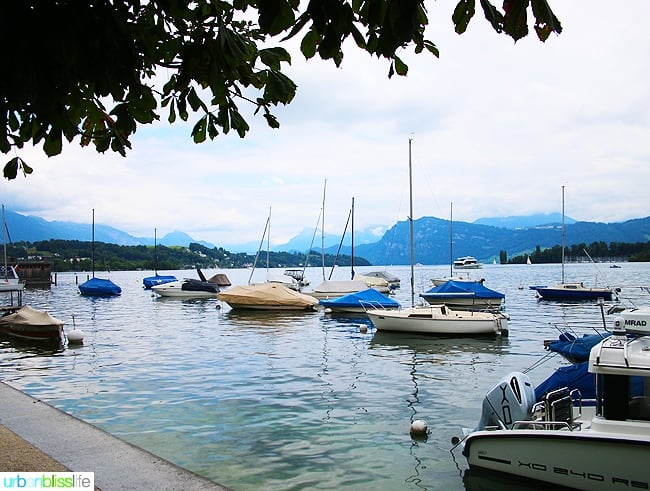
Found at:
(36, 437)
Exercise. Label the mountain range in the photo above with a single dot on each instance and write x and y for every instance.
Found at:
(483, 239)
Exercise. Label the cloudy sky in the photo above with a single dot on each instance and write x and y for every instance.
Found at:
(497, 128)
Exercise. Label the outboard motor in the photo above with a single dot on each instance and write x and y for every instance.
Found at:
(512, 399)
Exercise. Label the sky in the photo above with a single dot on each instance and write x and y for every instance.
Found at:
(496, 128)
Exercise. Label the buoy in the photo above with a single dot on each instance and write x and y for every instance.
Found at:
(363, 328)
(419, 429)
(75, 336)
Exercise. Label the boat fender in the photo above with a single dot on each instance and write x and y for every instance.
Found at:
(419, 430)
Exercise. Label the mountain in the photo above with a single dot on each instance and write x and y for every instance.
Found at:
(33, 229)
(307, 239)
(525, 221)
(431, 239)
(480, 240)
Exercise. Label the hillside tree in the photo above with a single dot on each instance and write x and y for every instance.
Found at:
(94, 70)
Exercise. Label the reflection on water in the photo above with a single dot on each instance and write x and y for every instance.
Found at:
(289, 400)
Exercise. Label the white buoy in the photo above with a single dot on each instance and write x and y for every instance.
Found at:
(419, 429)
(75, 336)
(363, 328)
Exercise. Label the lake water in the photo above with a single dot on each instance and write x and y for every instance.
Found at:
(282, 401)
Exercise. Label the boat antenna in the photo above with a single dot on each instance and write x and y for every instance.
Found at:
(562, 234)
(4, 241)
(411, 226)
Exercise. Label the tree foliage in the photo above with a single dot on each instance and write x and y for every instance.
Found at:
(94, 70)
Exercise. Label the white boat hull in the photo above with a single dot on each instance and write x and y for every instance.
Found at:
(575, 459)
(433, 320)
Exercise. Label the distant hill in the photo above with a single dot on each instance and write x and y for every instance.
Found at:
(484, 242)
(525, 221)
(33, 229)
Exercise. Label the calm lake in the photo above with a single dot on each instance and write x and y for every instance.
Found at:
(282, 401)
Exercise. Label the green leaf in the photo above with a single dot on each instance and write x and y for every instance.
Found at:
(400, 67)
(53, 143)
(275, 16)
(493, 16)
(272, 57)
(545, 20)
(463, 13)
(309, 44)
(199, 130)
(515, 22)
(10, 170)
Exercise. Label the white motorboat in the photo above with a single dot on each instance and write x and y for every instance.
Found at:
(564, 441)
(467, 262)
(439, 320)
(330, 289)
(187, 288)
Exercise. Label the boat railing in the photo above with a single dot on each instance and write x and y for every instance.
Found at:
(558, 410)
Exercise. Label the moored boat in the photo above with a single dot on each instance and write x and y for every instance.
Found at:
(360, 302)
(187, 288)
(465, 295)
(562, 440)
(266, 296)
(467, 262)
(31, 324)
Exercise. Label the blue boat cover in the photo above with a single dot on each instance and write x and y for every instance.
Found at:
(369, 299)
(158, 279)
(574, 349)
(99, 287)
(459, 289)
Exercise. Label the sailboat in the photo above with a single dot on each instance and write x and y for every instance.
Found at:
(575, 290)
(434, 319)
(156, 279)
(98, 287)
(9, 279)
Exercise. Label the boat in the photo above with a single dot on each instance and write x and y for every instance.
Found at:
(98, 287)
(564, 441)
(393, 281)
(9, 279)
(572, 290)
(434, 319)
(297, 274)
(156, 279)
(439, 320)
(187, 288)
(31, 324)
(379, 284)
(574, 348)
(465, 295)
(360, 302)
(467, 262)
(267, 296)
(329, 289)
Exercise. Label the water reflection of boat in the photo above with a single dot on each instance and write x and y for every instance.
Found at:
(421, 343)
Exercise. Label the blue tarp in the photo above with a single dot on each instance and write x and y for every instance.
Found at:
(158, 279)
(460, 289)
(99, 287)
(574, 349)
(369, 299)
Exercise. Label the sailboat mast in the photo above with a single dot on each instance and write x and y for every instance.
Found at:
(411, 226)
(322, 231)
(352, 263)
(155, 253)
(4, 241)
(93, 236)
(451, 239)
(268, 244)
(562, 234)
